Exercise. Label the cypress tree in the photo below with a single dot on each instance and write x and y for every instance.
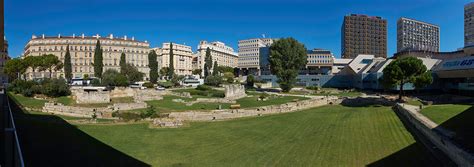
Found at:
(207, 63)
(153, 65)
(98, 60)
(214, 71)
(171, 71)
(67, 65)
(122, 62)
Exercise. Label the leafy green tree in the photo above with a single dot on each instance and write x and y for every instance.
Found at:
(34, 62)
(229, 77)
(176, 79)
(224, 69)
(67, 65)
(132, 73)
(197, 72)
(171, 67)
(287, 57)
(153, 65)
(50, 62)
(123, 61)
(250, 81)
(98, 60)
(215, 72)
(164, 71)
(55, 88)
(112, 77)
(207, 63)
(406, 70)
(14, 68)
(213, 80)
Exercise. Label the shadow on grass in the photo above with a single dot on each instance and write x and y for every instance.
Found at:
(420, 153)
(463, 126)
(48, 140)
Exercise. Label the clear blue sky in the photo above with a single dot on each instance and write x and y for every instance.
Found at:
(316, 23)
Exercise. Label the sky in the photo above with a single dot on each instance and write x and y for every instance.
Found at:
(315, 23)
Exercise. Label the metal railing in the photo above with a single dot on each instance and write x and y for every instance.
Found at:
(13, 154)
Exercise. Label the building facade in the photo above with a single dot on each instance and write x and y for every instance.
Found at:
(416, 35)
(182, 58)
(82, 49)
(469, 24)
(320, 62)
(362, 34)
(3, 59)
(251, 54)
(223, 54)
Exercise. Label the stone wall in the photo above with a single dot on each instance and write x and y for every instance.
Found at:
(259, 111)
(439, 137)
(234, 91)
(122, 92)
(58, 108)
(128, 106)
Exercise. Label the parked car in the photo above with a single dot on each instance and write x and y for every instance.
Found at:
(138, 85)
(159, 88)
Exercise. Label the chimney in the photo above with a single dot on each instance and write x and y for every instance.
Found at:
(73, 35)
(42, 36)
(82, 35)
(111, 36)
(59, 35)
(33, 37)
(125, 37)
(133, 38)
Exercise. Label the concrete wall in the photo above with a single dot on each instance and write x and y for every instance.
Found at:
(438, 137)
(99, 96)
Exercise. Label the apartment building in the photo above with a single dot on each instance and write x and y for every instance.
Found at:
(223, 54)
(182, 58)
(417, 35)
(469, 24)
(253, 55)
(362, 34)
(82, 49)
(320, 61)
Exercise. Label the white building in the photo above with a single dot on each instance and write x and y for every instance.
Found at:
(253, 55)
(417, 35)
(182, 58)
(223, 54)
(82, 49)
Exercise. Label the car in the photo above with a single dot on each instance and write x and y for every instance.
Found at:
(160, 88)
(138, 85)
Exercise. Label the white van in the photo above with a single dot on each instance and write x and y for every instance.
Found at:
(138, 85)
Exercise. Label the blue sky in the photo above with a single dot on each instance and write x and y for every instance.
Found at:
(315, 23)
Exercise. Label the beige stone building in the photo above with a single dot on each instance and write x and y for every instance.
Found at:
(223, 54)
(82, 53)
(182, 60)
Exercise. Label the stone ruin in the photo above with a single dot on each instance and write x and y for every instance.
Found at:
(90, 95)
(167, 122)
(234, 91)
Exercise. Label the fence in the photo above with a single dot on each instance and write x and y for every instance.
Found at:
(13, 155)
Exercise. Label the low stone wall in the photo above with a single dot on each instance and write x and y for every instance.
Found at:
(122, 92)
(98, 96)
(129, 106)
(210, 100)
(234, 91)
(58, 108)
(180, 94)
(265, 110)
(439, 136)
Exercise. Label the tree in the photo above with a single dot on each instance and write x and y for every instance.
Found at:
(132, 73)
(197, 72)
(50, 62)
(224, 69)
(67, 65)
(176, 79)
(123, 61)
(250, 81)
(229, 77)
(171, 67)
(164, 71)
(213, 80)
(153, 65)
(406, 70)
(33, 62)
(287, 57)
(215, 72)
(98, 60)
(112, 77)
(14, 68)
(207, 63)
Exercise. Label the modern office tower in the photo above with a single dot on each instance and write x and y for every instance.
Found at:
(82, 49)
(362, 34)
(224, 55)
(320, 61)
(469, 24)
(417, 35)
(182, 58)
(253, 55)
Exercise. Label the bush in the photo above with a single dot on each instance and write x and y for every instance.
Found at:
(264, 95)
(127, 116)
(250, 81)
(203, 88)
(165, 84)
(213, 80)
(95, 82)
(149, 113)
(229, 77)
(112, 77)
(27, 92)
(148, 85)
(18, 86)
(55, 88)
(313, 87)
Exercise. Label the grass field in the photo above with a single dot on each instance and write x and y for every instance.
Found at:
(167, 105)
(457, 118)
(31, 102)
(325, 136)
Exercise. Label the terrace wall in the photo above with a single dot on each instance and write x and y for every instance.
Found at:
(438, 137)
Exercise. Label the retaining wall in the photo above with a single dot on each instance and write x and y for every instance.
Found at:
(439, 137)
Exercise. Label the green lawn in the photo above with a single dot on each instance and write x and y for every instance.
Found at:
(414, 102)
(28, 101)
(167, 104)
(326, 136)
(442, 113)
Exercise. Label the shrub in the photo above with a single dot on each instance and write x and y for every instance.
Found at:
(229, 77)
(313, 87)
(213, 80)
(264, 95)
(250, 80)
(18, 86)
(203, 88)
(148, 85)
(112, 77)
(149, 113)
(127, 116)
(27, 92)
(165, 84)
(95, 82)
(55, 88)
